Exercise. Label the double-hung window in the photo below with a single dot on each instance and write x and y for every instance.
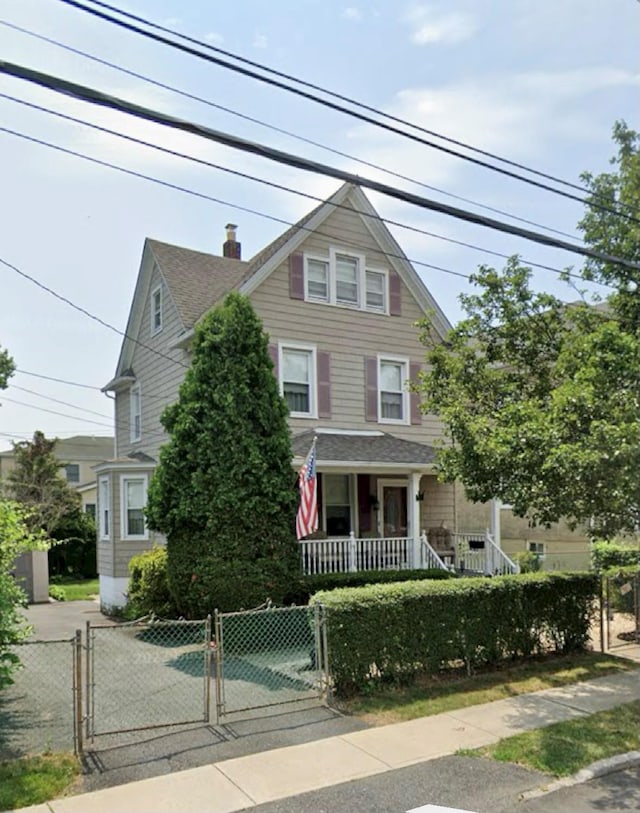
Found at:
(133, 498)
(156, 310)
(72, 470)
(317, 279)
(347, 280)
(392, 394)
(376, 293)
(297, 365)
(104, 503)
(136, 413)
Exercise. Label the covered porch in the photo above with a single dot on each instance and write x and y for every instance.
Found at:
(381, 507)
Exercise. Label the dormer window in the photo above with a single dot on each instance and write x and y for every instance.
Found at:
(156, 310)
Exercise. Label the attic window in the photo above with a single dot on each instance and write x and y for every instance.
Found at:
(344, 280)
(156, 310)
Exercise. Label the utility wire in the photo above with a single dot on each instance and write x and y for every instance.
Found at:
(311, 85)
(264, 181)
(340, 108)
(301, 227)
(58, 380)
(276, 129)
(289, 159)
(90, 315)
(58, 401)
(55, 412)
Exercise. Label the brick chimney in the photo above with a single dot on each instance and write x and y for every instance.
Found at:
(231, 247)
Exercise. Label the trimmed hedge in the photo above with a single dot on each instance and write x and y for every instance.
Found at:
(149, 587)
(309, 585)
(392, 632)
(614, 554)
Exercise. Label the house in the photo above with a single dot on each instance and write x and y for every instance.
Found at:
(77, 456)
(339, 301)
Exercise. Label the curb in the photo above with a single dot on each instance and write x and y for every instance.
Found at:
(600, 768)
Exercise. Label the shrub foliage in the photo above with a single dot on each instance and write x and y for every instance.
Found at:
(606, 555)
(148, 586)
(392, 632)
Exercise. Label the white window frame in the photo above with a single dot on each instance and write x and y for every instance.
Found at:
(385, 291)
(124, 478)
(531, 544)
(156, 311)
(313, 375)
(104, 496)
(135, 432)
(353, 490)
(332, 281)
(406, 417)
(316, 258)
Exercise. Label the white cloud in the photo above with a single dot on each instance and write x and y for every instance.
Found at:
(352, 13)
(431, 27)
(214, 38)
(260, 40)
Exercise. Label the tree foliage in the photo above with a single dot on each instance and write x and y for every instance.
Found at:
(223, 493)
(540, 399)
(7, 368)
(15, 538)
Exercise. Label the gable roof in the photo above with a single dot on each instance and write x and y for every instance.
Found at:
(196, 279)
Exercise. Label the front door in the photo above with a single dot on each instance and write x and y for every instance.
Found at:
(392, 516)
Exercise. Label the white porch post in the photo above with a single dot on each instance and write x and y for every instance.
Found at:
(495, 522)
(414, 514)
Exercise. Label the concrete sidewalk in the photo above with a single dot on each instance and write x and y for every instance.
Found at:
(244, 782)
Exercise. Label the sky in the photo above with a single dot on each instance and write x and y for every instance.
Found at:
(539, 82)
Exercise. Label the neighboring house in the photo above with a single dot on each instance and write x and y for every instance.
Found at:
(78, 454)
(339, 301)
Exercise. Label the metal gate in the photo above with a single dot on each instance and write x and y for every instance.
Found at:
(269, 658)
(621, 610)
(147, 674)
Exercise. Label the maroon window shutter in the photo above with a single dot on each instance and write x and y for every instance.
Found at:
(324, 385)
(273, 352)
(414, 371)
(371, 389)
(395, 294)
(296, 276)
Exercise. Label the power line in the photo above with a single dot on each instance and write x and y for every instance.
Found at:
(276, 129)
(58, 380)
(58, 401)
(55, 412)
(313, 97)
(264, 181)
(343, 241)
(289, 159)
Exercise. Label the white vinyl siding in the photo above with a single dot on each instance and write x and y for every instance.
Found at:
(104, 502)
(156, 310)
(393, 400)
(133, 498)
(136, 414)
(297, 366)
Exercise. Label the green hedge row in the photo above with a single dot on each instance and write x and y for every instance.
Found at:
(612, 554)
(393, 632)
(309, 585)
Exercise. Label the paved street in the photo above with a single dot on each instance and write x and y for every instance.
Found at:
(467, 784)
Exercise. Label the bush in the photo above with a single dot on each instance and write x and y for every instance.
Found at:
(614, 554)
(528, 561)
(392, 632)
(57, 593)
(149, 586)
(620, 590)
(308, 585)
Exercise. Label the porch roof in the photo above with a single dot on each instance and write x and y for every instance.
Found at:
(380, 448)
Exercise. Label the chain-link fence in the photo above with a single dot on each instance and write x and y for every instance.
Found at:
(38, 711)
(147, 674)
(621, 610)
(268, 657)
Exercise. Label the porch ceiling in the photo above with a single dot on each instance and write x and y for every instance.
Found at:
(382, 448)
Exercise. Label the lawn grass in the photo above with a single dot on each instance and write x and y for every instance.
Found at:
(563, 748)
(434, 694)
(33, 780)
(79, 589)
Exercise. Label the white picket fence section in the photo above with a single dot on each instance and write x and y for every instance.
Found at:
(474, 552)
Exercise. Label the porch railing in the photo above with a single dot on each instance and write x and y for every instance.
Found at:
(430, 557)
(477, 552)
(350, 555)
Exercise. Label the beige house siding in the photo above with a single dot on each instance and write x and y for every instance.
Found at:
(158, 377)
(439, 504)
(349, 336)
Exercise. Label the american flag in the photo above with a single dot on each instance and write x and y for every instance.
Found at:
(307, 517)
